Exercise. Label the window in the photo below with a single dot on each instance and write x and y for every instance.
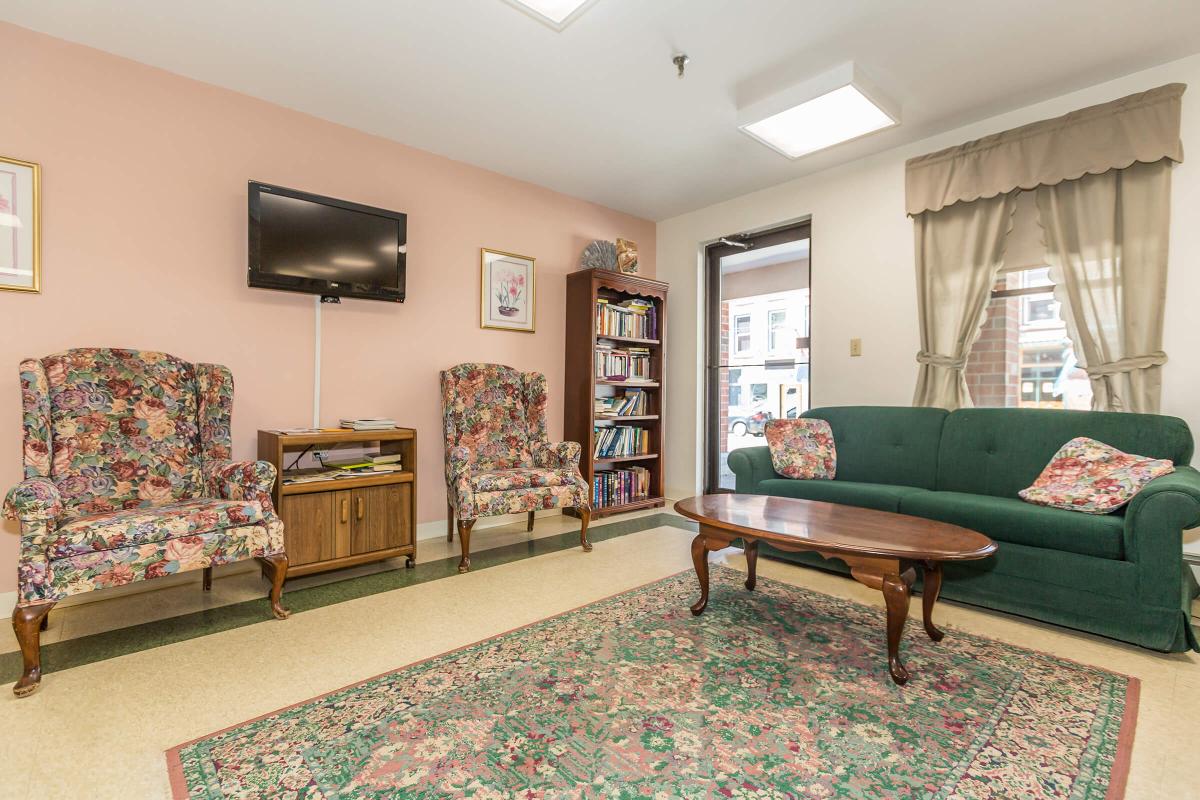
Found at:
(741, 334)
(758, 392)
(735, 396)
(1024, 357)
(780, 337)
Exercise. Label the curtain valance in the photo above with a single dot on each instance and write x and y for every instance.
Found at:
(1142, 127)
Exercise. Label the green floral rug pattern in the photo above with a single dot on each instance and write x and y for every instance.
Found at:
(776, 693)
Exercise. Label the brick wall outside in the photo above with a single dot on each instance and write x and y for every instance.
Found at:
(994, 367)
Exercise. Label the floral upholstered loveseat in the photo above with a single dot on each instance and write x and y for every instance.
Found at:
(128, 477)
(498, 457)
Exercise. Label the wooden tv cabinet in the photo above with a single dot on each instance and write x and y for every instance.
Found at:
(344, 522)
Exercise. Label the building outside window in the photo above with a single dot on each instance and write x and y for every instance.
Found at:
(1024, 357)
(742, 336)
(780, 337)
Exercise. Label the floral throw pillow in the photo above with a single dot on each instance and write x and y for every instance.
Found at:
(1092, 477)
(802, 448)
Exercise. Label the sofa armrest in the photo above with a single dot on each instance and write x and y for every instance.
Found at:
(244, 480)
(33, 500)
(559, 455)
(1154, 525)
(751, 466)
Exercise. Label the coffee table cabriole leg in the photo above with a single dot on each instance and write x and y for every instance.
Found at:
(751, 563)
(932, 577)
(700, 562)
(895, 579)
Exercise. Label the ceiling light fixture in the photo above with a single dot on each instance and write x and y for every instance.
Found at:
(832, 108)
(558, 14)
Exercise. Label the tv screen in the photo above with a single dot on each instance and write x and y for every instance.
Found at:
(308, 243)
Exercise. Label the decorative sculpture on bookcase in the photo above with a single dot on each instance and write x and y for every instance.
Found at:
(599, 255)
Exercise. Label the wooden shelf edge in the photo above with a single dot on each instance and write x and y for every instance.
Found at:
(618, 459)
(629, 384)
(629, 339)
(333, 484)
(628, 417)
(636, 505)
(347, 435)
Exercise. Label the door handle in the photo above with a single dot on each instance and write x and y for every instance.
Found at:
(345, 510)
(359, 510)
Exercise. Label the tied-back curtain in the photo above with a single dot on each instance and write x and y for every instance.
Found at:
(1102, 180)
(958, 252)
(1106, 240)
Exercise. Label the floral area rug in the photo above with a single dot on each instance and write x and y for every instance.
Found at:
(776, 693)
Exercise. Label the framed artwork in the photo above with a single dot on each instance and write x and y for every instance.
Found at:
(20, 225)
(506, 291)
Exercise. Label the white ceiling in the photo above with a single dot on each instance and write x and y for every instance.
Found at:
(596, 110)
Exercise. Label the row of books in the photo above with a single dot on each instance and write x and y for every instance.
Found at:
(619, 486)
(626, 363)
(620, 440)
(633, 403)
(636, 318)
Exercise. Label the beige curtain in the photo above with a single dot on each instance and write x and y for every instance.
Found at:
(959, 250)
(1106, 241)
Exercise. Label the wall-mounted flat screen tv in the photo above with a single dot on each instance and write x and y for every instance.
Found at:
(304, 242)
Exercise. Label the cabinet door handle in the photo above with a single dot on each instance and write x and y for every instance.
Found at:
(345, 510)
(359, 510)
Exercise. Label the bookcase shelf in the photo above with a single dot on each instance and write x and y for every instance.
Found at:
(585, 289)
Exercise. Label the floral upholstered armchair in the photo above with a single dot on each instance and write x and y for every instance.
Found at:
(498, 458)
(128, 478)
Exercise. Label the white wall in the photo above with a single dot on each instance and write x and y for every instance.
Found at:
(863, 281)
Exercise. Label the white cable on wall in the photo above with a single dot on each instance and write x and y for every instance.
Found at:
(316, 418)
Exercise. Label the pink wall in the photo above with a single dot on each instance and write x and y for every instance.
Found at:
(144, 245)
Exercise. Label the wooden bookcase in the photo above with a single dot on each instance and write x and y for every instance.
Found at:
(584, 288)
(342, 522)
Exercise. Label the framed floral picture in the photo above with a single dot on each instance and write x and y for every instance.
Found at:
(506, 294)
(20, 221)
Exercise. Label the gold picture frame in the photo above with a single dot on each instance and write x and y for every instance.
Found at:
(507, 291)
(20, 225)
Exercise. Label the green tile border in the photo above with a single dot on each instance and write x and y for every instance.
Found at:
(135, 638)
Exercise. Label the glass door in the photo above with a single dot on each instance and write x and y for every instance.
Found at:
(757, 308)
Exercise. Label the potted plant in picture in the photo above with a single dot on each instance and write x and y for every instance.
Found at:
(509, 292)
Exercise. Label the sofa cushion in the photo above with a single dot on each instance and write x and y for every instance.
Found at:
(1089, 476)
(886, 444)
(1000, 451)
(880, 496)
(802, 448)
(503, 480)
(145, 525)
(1008, 519)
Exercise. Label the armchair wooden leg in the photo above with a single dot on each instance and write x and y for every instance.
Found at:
(207, 580)
(27, 623)
(276, 566)
(449, 523)
(529, 525)
(585, 516)
(464, 538)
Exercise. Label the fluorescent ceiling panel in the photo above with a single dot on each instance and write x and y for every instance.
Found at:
(831, 109)
(558, 14)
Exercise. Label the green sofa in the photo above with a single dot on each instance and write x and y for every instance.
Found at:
(1119, 575)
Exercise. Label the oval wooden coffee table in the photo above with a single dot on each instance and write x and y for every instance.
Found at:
(882, 549)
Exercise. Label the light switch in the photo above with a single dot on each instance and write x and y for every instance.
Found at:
(856, 347)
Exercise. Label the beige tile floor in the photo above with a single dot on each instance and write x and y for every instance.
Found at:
(100, 730)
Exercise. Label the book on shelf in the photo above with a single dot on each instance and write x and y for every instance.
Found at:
(632, 319)
(625, 363)
(369, 424)
(614, 441)
(362, 465)
(632, 403)
(383, 458)
(615, 487)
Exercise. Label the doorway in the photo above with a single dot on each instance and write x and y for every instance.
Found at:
(757, 309)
